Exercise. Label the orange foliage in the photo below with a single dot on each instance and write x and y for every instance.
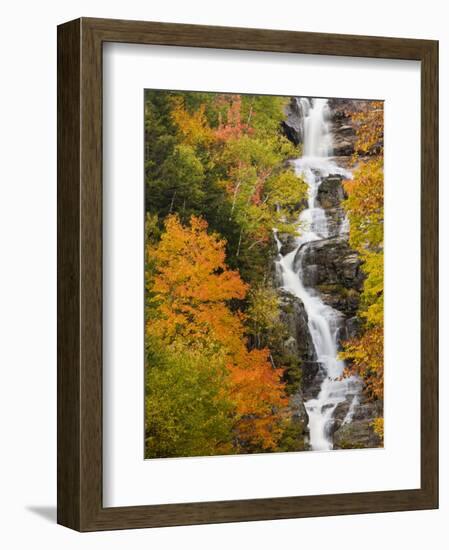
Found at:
(233, 128)
(191, 288)
(367, 360)
(193, 283)
(370, 129)
(258, 393)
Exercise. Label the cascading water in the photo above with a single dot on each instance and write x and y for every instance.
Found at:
(323, 321)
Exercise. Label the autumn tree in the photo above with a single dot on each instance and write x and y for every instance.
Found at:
(191, 294)
(217, 163)
(365, 209)
(187, 412)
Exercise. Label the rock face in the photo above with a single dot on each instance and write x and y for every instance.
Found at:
(356, 432)
(330, 261)
(293, 122)
(330, 268)
(331, 193)
(334, 269)
(344, 128)
(300, 421)
(294, 318)
(288, 243)
(330, 196)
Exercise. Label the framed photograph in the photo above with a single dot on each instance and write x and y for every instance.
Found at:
(247, 274)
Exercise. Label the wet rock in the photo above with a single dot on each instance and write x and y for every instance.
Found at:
(294, 318)
(353, 425)
(352, 327)
(292, 125)
(335, 218)
(330, 196)
(340, 298)
(348, 409)
(340, 413)
(288, 242)
(343, 147)
(331, 192)
(298, 409)
(333, 270)
(276, 275)
(312, 377)
(358, 434)
(343, 129)
(330, 262)
(344, 161)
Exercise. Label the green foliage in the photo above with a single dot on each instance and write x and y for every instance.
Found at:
(160, 132)
(293, 437)
(222, 156)
(183, 177)
(263, 315)
(266, 329)
(217, 182)
(186, 413)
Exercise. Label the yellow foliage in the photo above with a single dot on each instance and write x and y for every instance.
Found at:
(378, 426)
(194, 127)
(365, 205)
(366, 355)
(370, 129)
(365, 209)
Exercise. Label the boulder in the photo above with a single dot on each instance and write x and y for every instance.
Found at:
(340, 298)
(343, 147)
(352, 327)
(329, 196)
(356, 431)
(330, 262)
(295, 320)
(312, 377)
(358, 434)
(299, 413)
(331, 192)
(333, 269)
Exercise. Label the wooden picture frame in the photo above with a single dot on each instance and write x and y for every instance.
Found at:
(80, 504)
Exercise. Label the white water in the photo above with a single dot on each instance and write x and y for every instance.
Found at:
(323, 321)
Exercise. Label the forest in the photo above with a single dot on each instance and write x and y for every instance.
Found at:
(219, 186)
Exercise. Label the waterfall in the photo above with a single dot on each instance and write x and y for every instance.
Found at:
(323, 321)
(317, 138)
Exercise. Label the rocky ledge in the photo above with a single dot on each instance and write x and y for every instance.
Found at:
(334, 269)
(293, 316)
(330, 195)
